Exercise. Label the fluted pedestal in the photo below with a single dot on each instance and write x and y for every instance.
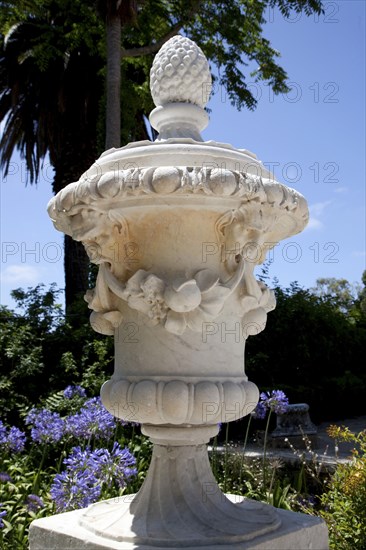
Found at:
(180, 503)
(179, 506)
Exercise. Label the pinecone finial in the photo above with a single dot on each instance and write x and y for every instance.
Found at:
(180, 74)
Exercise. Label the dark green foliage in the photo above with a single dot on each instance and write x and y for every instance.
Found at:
(313, 351)
(41, 353)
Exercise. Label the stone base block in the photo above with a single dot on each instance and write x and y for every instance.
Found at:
(64, 532)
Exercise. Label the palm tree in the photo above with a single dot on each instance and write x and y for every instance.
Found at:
(49, 99)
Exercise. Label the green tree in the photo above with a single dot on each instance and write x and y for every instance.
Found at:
(362, 295)
(52, 75)
(310, 350)
(342, 293)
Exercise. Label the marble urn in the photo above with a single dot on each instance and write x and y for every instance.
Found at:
(177, 227)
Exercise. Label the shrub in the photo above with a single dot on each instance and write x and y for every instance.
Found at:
(40, 352)
(344, 502)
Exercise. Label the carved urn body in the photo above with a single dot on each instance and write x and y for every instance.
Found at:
(177, 227)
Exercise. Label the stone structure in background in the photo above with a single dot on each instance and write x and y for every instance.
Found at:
(177, 227)
(294, 425)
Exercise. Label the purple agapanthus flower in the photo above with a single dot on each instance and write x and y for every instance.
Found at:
(70, 391)
(12, 440)
(86, 472)
(276, 401)
(34, 503)
(73, 489)
(118, 465)
(47, 426)
(260, 411)
(5, 478)
(3, 433)
(2, 514)
(93, 420)
(16, 440)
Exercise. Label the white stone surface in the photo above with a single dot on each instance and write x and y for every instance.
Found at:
(63, 532)
(177, 228)
(180, 73)
(180, 82)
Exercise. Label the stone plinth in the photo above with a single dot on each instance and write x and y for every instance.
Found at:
(63, 532)
(294, 424)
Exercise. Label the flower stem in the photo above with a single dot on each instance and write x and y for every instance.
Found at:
(244, 449)
(36, 479)
(226, 454)
(265, 451)
(62, 454)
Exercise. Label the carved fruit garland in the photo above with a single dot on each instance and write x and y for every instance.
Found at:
(180, 304)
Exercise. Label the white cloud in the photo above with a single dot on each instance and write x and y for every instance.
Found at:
(314, 223)
(20, 274)
(340, 190)
(318, 208)
(359, 253)
(316, 211)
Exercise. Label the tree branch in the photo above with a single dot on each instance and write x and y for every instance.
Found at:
(152, 48)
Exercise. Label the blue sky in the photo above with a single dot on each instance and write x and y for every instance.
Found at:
(312, 138)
